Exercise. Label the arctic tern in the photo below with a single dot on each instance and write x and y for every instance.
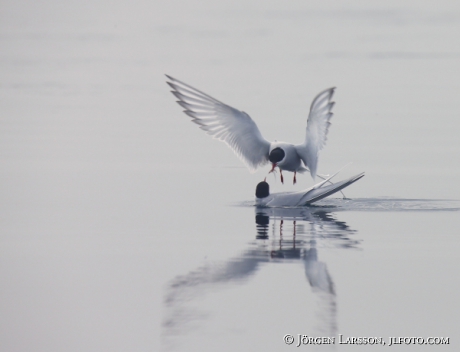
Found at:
(300, 198)
(240, 133)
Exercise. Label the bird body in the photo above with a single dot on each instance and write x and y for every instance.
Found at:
(300, 198)
(241, 134)
(291, 161)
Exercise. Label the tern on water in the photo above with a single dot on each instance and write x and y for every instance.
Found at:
(240, 133)
(300, 198)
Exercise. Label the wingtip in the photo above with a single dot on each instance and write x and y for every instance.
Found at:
(172, 86)
(332, 90)
(358, 177)
(170, 78)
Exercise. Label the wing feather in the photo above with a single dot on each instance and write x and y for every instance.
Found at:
(317, 128)
(232, 126)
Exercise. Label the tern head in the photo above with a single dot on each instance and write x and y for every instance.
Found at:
(276, 155)
(262, 190)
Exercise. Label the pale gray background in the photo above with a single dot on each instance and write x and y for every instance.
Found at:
(109, 193)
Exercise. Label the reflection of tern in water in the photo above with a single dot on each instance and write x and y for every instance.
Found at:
(282, 235)
(308, 228)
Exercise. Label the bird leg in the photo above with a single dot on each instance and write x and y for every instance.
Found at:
(295, 180)
(273, 170)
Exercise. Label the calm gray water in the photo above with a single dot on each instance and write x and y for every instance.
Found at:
(123, 227)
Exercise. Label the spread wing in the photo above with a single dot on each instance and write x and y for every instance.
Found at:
(317, 128)
(232, 126)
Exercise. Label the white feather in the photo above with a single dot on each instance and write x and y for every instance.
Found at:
(317, 129)
(306, 196)
(232, 126)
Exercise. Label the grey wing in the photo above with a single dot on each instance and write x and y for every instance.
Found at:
(232, 126)
(317, 129)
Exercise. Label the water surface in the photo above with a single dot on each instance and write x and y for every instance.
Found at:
(123, 227)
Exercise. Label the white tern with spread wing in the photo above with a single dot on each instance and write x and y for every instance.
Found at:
(240, 133)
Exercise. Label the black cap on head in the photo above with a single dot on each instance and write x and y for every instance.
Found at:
(276, 155)
(262, 190)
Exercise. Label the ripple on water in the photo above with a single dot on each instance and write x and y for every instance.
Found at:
(375, 204)
(387, 204)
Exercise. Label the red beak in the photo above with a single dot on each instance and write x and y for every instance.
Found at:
(273, 167)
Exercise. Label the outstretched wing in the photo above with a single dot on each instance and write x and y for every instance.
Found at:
(317, 128)
(223, 122)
